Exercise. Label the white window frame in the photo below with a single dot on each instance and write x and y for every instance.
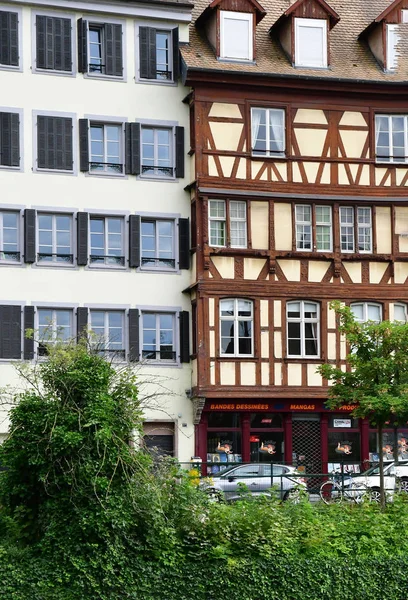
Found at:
(390, 158)
(158, 266)
(404, 15)
(237, 16)
(357, 227)
(106, 350)
(157, 315)
(326, 225)
(169, 33)
(227, 220)
(172, 152)
(3, 259)
(403, 306)
(235, 319)
(303, 224)
(268, 113)
(53, 261)
(311, 23)
(52, 327)
(365, 306)
(107, 257)
(392, 42)
(105, 171)
(100, 22)
(303, 321)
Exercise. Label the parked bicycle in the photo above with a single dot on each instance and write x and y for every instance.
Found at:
(340, 487)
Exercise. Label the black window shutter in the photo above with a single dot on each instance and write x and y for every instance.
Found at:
(83, 145)
(28, 324)
(29, 235)
(113, 50)
(10, 331)
(40, 24)
(9, 38)
(184, 337)
(180, 152)
(82, 46)
(54, 48)
(54, 143)
(82, 238)
(134, 351)
(128, 150)
(176, 58)
(9, 139)
(132, 148)
(44, 124)
(57, 49)
(82, 322)
(184, 243)
(65, 154)
(147, 53)
(134, 241)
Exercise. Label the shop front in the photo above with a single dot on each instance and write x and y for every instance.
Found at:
(304, 434)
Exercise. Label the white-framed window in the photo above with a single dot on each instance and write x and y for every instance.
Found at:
(158, 339)
(268, 132)
(310, 238)
(366, 311)
(157, 151)
(356, 229)
(236, 35)
(236, 325)
(108, 328)
(227, 223)
(104, 48)
(55, 241)
(392, 43)
(404, 15)
(107, 241)
(391, 138)
(303, 323)
(400, 313)
(310, 43)
(106, 148)
(9, 236)
(54, 325)
(157, 243)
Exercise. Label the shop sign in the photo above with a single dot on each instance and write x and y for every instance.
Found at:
(254, 438)
(341, 422)
(234, 406)
(306, 407)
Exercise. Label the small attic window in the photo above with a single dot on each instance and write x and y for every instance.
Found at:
(392, 41)
(236, 35)
(311, 43)
(404, 16)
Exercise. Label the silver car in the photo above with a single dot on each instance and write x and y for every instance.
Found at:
(258, 479)
(395, 479)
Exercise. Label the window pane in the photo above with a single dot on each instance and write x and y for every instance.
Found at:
(358, 311)
(400, 313)
(294, 310)
(374, 312)
(227, 307)
(244, 308)
(245, 346)
(294, 347)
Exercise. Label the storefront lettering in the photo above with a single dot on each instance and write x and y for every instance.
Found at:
(239, 407)
(302, 407)
(347, 407)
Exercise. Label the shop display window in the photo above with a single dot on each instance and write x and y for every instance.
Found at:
(223, 447)
(224, 419)
(344, 450)
(266, 421)
(267, 446)
(388, 445)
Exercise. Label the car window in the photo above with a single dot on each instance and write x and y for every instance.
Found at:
(245, 471)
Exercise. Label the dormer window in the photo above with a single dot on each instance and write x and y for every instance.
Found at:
(236, 35)
(311, 43)
(404, 16)
(392, 42)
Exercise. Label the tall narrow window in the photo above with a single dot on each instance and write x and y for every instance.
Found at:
(311, 43)
(95, 41)
(159, 337)
(218, 223)
(303, 329)
(391, 138)
(108, 329)
(356, 229)
(227, 223)
(400, 313)
(157, 152)
(158, 243)
(54, 239)
(303, 227)
(9, 236)
(236, 35)
(364, 229)
(107, 241)
(106, 148)
(53, 326)
(323, 228)
(236, 322)
(163, 55)
(367, 311)
(392, 44)
(268, 132)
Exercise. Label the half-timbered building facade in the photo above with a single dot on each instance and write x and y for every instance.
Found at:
(299, 180)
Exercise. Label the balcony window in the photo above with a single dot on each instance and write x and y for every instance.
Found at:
(54, 239)
(158, 337)
(109, 332)
(107, 241)
(106, 148)
(157, 152)
(9, 236)
(157, 237)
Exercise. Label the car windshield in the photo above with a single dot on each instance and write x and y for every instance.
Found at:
(376, 469)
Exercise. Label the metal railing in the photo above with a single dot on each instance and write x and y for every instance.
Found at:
(157, 170)
(107, 259)
(8, 255)
(106, 166)
(168, 355)
(158, 262)
(55, 257)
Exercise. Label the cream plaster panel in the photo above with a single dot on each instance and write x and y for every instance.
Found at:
(260, 225)
(256, 166)
(326, 174)
(290, 268)
(365, 175)
(283, 226)
(353, 142)
(377, 270)
(211, 312)
(311, 170)
(310, 115)
(264, 313)
(342, 175)
(227, 164)
(248, 374)
(228, 111)
(282, 168)
(318, 269)
(331, 318)
(212, 168)
(310, 141)
(353, 119)
(294, 374)
(296, 175)
(343, 368)
(343, 347)
(278, 373)
(226, 135)
(391, 311)
(277, 343)
(403, 244)
(227, 373)
(313, 378)
(253, 267)
(194, 372)
(212, 373)
(277, 313)
(400, 272)
(265, 374)
(401, 219)
(264, 344)
(399, 175)
(379, 174)
(241, 171)
(225, 266)
(354, 270)
(212, 344)
(331, 346)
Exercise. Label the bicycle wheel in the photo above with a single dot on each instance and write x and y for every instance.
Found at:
(330, 492)
(358, 493)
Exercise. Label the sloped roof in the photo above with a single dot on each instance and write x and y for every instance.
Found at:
(350, 58)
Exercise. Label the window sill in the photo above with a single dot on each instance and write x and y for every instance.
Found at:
(53, 72)
(269, 157)
(103, 77)
(159, 363)
(94, 267)
(157, 178)
(165, 82)
(384, 161)
(10, 168)
(54, 265)
(158, 270)
(245, 357)
(53, 171)
(239, 61)
(313, 67)
(106, 175)
(11, 263)
(11, 68)
(300, 359)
